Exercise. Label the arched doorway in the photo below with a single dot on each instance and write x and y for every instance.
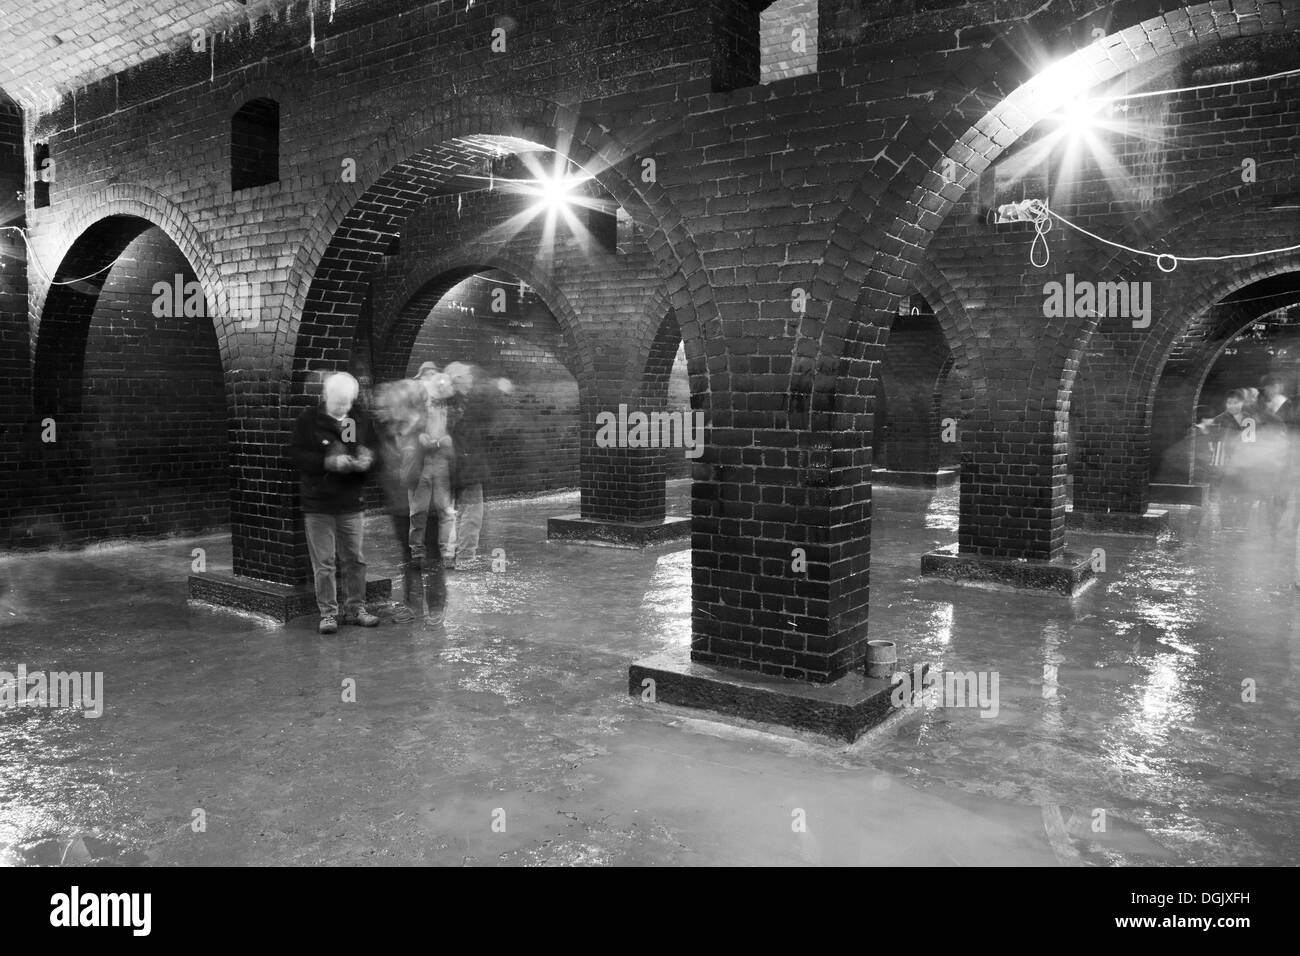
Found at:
(130, 391)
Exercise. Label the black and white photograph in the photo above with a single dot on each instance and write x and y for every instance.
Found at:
(674, 434)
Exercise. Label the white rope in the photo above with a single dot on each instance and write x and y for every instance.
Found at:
(41, 269)
(1166, 261)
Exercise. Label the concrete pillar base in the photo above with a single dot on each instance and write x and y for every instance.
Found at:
(1095, 522)
(915, 479)
(1066, 576)
(843, 709)
(1179, 494)
(281, 602)
(575, 529)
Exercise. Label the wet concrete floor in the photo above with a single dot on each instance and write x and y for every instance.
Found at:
(507, 737)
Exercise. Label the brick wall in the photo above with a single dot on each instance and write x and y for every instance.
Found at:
(15, 371)
(141, 440)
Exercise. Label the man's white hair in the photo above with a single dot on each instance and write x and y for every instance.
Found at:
(338, 383)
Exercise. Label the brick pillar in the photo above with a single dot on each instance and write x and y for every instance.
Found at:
(620, 484)
(781, 505)
(17, 431)
(623, 485)
(1013, 480)
(265, 520)
(1015, 450)
(1112, 459)
(1112, 433)
(623, 496)
(751, 609)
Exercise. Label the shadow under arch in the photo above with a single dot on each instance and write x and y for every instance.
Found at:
(129, 373)
(422, 289)
(131, 201)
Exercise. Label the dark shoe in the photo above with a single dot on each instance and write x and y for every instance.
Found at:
(404, 615)
(413, 582)
(329, 624)
(361, 618)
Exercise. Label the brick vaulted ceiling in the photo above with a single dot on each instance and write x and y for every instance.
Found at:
(51, 47)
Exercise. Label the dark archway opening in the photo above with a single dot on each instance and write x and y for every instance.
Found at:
(130, 392)
(918, 400)
(494, 320)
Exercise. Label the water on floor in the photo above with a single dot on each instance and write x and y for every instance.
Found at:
(1120, 736)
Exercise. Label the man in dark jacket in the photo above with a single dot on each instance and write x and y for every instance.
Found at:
(332, 449)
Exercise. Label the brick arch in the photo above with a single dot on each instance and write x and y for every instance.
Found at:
(121, 467)
(422, 288)
(260, 83)
(1214, 289)
(1208, 291)
(67, 309)
(658, 320)
(544, 123)
(933, 284)
(1161, 229)
(653, 359)
(1132, 365)
(1240, 321)
(1173, 394)
(140, 202)
(896, 214)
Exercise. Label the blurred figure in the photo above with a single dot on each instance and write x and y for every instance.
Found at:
(427, 370)
(331, 447)
(1225, 431)
(433, 490)
(1281, 408)
(401, 409)
(1248, 457)
(473, 418)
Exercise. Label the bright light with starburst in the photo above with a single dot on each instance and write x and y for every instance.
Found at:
(558, 193)
(554, 192)
(1081, 128)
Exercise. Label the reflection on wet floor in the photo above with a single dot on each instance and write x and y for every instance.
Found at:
(1121, 734)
